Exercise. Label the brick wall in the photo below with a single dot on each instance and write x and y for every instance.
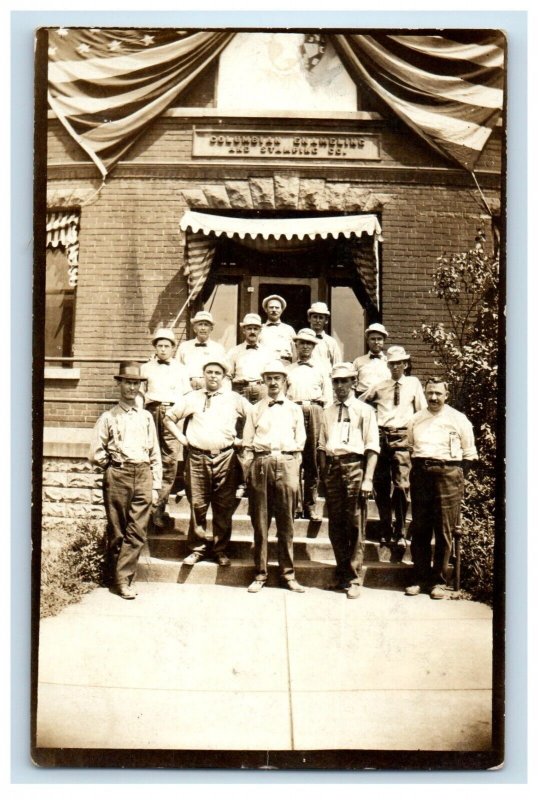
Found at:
(131, 249)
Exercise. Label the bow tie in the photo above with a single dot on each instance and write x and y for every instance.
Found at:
(276, 403)
(200, 344)
(304, 364)
(375, 355)
(273, 323)
(252, 346)
(163, 362)
(319, 336)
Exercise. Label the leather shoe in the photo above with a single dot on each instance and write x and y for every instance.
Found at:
(354, 591)
(256, 586)
(401, 542)
(194, 558)
(412, 591)
(440, 592)
(223, 560)
(294, 586)
(124, 591)
(313, 516)
(336, 587)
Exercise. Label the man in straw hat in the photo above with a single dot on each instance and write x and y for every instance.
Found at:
(124, 444)
(212, 470)
(194, 353)
(372, 368)
(348, 448)
(395, 401)
(248, 359)
(327, 353)
(166, 381)
(309, 386)
(273, 439)
(276, 335)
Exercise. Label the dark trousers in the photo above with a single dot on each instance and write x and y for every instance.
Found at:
(436, 494)
(391, 482)
(343, 481)
(312, 422)
(211, 481)
(170, 448)
(274, 487)
(127, 497)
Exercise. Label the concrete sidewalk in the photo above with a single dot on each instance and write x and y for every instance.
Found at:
(213, 667)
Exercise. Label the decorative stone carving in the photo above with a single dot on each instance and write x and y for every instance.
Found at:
(217, 197)
(262, 191)
(356, 198)
(239, 194)
(312, 195)
(286, 191)
(195, 198)
(336, 194)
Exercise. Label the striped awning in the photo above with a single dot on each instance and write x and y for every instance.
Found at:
(305, 228)
(203, 230)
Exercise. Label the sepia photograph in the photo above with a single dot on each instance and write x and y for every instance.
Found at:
(302, 229)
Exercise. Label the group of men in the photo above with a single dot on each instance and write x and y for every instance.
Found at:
(277, 416)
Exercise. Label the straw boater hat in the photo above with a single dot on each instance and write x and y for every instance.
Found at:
(275, 366)
(397, 353)
(251, 319)
(318, 308)
(306, 335)
(220, 362)
(129, 371)
(274, 297)
(202, 316)
(344, 369)
(164, 333)
(376, 327)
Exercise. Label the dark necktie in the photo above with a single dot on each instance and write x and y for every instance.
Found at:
(341, 411)
(200, 344)
(252, 346)
(304, 364)
(375, 355)
(276, 403)
(163, 362)
(396, 394)
(207, 402)
(273, 323)
(319, 336)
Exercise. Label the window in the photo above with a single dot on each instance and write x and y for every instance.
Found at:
(60, 289)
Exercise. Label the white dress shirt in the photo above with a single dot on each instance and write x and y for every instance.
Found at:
(370, 370)
(274, 425)
(381, 396)
(447, 435)
(348, 427)
(212, 417)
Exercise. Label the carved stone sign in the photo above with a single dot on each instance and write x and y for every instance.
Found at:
(218, 143)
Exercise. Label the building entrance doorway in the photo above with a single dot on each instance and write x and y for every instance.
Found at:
(242, 276)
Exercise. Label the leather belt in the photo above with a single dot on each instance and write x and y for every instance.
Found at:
(392, 430)
(275, 453)
(255, 381)
(158, 403)
(345, 457)
(307, 403)
(211, 453)
(435, 462)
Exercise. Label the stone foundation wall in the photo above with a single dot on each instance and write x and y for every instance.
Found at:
(72, 493)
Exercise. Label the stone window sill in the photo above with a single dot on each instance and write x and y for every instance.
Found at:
(62, 374)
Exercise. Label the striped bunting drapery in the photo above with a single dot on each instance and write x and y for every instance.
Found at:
(448, 89)
(199, 252)
(107, 85)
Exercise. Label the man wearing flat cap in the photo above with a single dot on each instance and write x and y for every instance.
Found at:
(276, 335)
(309, 387)
(372, 368)
(194, 353)
(273, 439)
(124, 444)
(348, 449)
(212, 469)
(166, 382)
(327, 353)
(395, 401)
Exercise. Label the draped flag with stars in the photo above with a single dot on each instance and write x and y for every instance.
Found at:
(108, 85)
